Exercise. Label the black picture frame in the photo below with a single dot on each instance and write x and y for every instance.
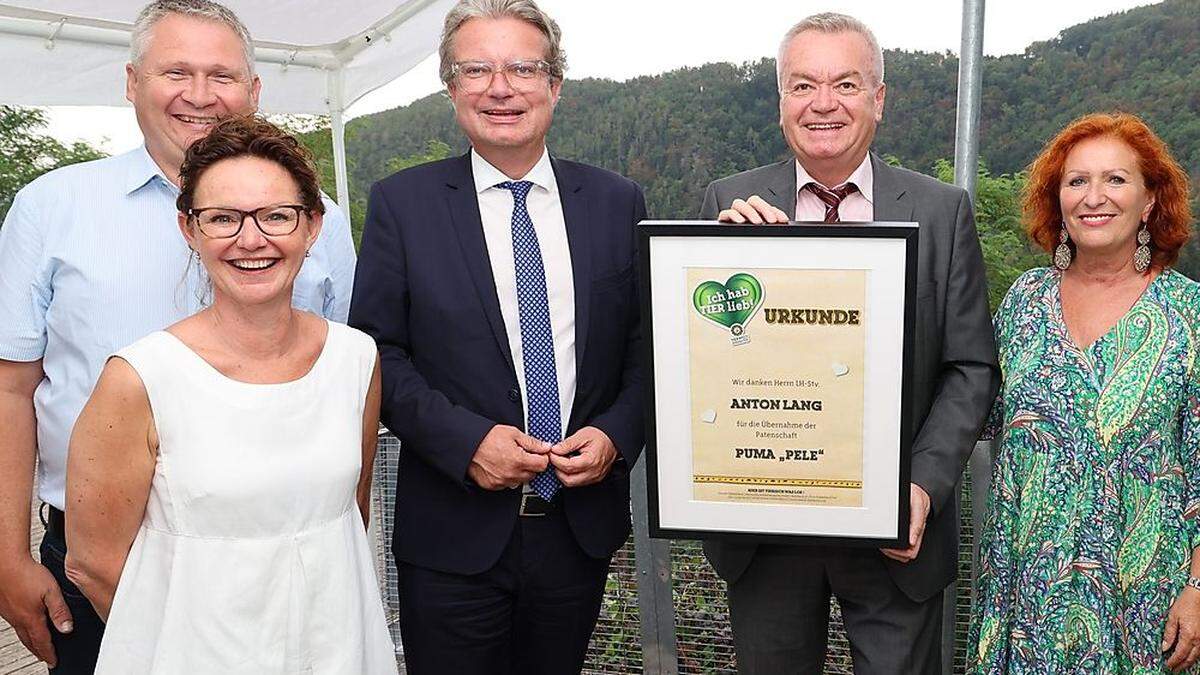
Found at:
(651, 231)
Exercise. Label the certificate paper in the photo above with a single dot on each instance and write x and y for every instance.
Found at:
(772, 430)
(778, 389)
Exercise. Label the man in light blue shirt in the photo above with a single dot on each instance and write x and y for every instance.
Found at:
(92, 259)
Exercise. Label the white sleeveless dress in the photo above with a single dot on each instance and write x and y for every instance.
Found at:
(252, 557)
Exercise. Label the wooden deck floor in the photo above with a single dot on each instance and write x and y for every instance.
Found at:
(14, 658)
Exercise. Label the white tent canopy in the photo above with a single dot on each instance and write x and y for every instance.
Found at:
(314, 56)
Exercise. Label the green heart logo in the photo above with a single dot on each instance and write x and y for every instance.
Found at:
(729, 304)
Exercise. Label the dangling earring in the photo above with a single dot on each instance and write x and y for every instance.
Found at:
(1141, 256)
(1062, 254)
(308, 254)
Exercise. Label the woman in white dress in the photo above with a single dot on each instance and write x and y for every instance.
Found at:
(219, 474)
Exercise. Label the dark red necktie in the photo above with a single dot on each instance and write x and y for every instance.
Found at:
(831, 198)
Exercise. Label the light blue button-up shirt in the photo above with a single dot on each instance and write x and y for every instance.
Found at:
(91, 260)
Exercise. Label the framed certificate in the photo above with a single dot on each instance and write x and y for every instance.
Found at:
(779, 392)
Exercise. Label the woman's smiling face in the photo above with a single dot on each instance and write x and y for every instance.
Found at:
(1103, 197)
(250, 267)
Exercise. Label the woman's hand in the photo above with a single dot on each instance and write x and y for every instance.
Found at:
(1182, 636)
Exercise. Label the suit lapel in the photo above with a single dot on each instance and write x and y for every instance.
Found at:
(577, 215)
(468, 225)
(781, 188)
(892, 201)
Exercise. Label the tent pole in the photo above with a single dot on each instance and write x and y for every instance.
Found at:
(338, 129)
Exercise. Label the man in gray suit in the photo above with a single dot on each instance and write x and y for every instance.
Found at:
(830, 71)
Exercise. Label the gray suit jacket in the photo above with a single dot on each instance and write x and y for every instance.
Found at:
(955, 374)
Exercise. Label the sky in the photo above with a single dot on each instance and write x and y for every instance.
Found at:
(620, 39)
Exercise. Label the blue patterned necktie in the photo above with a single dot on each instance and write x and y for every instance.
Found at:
(537, 340)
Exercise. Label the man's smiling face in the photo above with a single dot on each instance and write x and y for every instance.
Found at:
(830, 101)
(191, 73)
(506, 116)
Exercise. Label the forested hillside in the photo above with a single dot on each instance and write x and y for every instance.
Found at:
(676, 131)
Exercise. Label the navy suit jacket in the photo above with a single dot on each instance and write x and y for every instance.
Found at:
(424, 290)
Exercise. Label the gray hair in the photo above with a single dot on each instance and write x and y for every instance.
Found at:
(832, 22)
(151, 14)
(523, 10)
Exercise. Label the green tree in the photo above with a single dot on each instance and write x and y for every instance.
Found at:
(434, 150)
(1007, 252)
(26, 152)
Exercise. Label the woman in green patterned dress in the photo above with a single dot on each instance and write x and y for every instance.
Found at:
(1088, 558)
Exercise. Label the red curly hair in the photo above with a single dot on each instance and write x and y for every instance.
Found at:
(1170, 218)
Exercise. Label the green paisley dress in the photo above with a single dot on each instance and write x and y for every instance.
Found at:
(1095, 487)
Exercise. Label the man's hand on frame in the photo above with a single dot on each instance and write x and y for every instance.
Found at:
(754, 211)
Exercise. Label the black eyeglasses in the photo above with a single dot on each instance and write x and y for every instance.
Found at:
(219, 222)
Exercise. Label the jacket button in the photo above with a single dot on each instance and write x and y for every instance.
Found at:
(514, 395)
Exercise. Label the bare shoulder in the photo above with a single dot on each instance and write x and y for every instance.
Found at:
(116, 417)
(120, 387)
(316, 331)
(188, 329)
(312, 324)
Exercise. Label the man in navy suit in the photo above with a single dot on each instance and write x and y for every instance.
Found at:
(499, 286)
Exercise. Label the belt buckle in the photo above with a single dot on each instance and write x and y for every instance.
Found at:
(525, 506)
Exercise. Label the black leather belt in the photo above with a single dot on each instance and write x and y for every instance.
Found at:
(56, 523)
(534, 506)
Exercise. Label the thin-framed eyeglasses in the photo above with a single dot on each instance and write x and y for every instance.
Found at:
(476, 76)
(220, 222)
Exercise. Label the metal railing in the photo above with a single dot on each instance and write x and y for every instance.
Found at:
(383, 510)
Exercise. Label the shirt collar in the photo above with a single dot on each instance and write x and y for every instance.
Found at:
(142, 170)
(487, 176)
(863, 177)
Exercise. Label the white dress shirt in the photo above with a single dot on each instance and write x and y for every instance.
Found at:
(545, 210)
(857, 207)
